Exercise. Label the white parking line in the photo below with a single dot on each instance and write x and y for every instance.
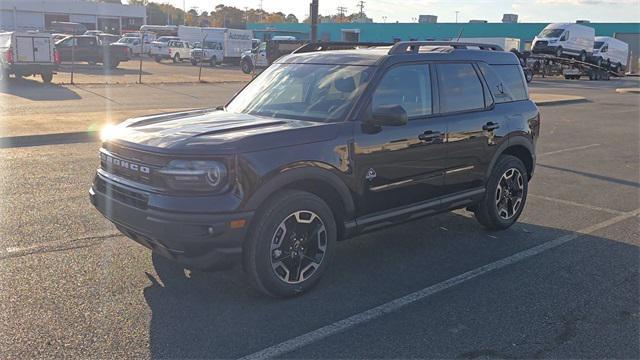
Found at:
(569, 149)
(394, 305)
(573, 203)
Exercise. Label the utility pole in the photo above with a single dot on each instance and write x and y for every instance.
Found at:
(314, 20)
(457, 16)
(361, 6)
(341, 11)
(261, 11)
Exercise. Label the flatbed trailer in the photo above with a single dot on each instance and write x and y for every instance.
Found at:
(571, 69)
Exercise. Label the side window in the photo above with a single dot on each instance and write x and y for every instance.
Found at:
(408, 86)
(605, 48)
(565, 36)
(83, 41)
(460, 88)
(513, 80)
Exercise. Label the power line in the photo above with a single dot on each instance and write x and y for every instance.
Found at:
(341, 11)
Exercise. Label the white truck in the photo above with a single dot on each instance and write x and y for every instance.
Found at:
(611, 53)
(216, 45)
(26, 54)
(565, 40)
(507, 44)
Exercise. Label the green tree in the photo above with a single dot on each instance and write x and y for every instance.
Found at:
(291, 19)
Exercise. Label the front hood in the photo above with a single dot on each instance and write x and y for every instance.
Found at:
(211, 131)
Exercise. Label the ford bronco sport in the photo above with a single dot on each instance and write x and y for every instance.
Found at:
(321, 146)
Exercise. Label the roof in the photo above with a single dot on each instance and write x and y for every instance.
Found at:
(373, 56)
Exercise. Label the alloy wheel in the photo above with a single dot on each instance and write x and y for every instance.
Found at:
(509, 193)
(298, 246)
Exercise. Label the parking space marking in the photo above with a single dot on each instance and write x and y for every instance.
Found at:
(51, 246)
(395, 305)
(569, 149)
(573, 203)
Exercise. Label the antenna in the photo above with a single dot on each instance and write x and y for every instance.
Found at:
(460, 33)
(361, 6)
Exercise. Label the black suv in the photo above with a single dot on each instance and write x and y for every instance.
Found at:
(319, 147)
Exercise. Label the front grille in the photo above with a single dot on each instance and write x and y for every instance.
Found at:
(131, 164)
(123, 195)
(541, 44)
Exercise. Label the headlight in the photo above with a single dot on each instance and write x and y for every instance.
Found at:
(194, 175)
(553, 41)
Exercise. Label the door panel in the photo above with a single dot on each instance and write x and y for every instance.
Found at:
(401, 165)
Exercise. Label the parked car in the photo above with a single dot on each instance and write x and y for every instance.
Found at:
(319, 147)
(27, 53)
(565, 40)
(106, 39)
(611, 53)
(267, 52)
(176, 50)
(92, 50)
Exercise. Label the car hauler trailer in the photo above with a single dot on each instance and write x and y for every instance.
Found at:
(571, 69)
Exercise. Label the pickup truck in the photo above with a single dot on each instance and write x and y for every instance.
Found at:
(92, 50)
(176, 50)
(265, 53)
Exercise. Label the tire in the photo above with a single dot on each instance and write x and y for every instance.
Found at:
(114, 64)
(194, 62)
(214, 61)
(583, 56)
(558, 52)
(289, 212)
(487, 210)
(598, 62)
(4, 75)
(176, 58)
(246, 67)
(528, 75)
(607, 64)
(158, 58)
(47, 77)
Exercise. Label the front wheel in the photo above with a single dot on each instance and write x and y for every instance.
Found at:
(176, 58)
(583, 56)
(528, 75)
(158, 58)
(47, 77)
(505, 196)
(246, 67)
(290, 244)
(194, 62)
(559, 52)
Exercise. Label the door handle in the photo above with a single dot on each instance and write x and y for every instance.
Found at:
(429, 135)
(490, 126)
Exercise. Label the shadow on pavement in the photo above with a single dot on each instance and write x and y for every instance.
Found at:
(48, 139)
(37, 91)
(216, 315)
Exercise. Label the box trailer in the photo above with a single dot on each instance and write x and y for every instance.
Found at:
(505, 43)
(227, 45)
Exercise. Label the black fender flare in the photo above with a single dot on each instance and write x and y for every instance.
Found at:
(510, 142)
(296, 174)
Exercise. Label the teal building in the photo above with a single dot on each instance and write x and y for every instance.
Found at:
(389, 32)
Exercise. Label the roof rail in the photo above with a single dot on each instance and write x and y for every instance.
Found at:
(335, 45)
(414, 46)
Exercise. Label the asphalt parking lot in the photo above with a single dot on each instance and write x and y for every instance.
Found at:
(563, 282)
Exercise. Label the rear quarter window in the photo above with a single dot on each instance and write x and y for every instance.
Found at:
(506, 82)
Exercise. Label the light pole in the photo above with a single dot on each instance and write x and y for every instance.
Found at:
(457, 16)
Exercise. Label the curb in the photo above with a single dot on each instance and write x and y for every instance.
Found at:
(553, 99)
(628, 91)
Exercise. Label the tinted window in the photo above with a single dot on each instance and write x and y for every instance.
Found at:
(460, 88)
(83, 41)
(407, 86)
(513, 80)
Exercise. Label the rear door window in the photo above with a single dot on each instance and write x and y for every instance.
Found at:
(408, 86)
(460, 88)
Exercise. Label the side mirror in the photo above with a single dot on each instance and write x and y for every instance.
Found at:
(389, 115)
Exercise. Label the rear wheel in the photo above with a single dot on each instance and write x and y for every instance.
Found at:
(158, 58)
(176, 58)
(113, 64)
(47, 77)
(214, 61)
(505, 196)
(598, 61)
(290, 244)
(528, 75)
(194, 62)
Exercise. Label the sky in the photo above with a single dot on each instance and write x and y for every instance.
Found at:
(405, 10)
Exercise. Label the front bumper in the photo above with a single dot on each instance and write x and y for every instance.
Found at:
(195, 240)
(544, 49)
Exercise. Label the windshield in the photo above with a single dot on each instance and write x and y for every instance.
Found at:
(551, 33)
(598, 44)
(303, 91)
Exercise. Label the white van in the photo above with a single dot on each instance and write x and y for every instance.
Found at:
(611, 53)
(565, 39)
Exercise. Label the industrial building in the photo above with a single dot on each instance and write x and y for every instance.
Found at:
(38, 15)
